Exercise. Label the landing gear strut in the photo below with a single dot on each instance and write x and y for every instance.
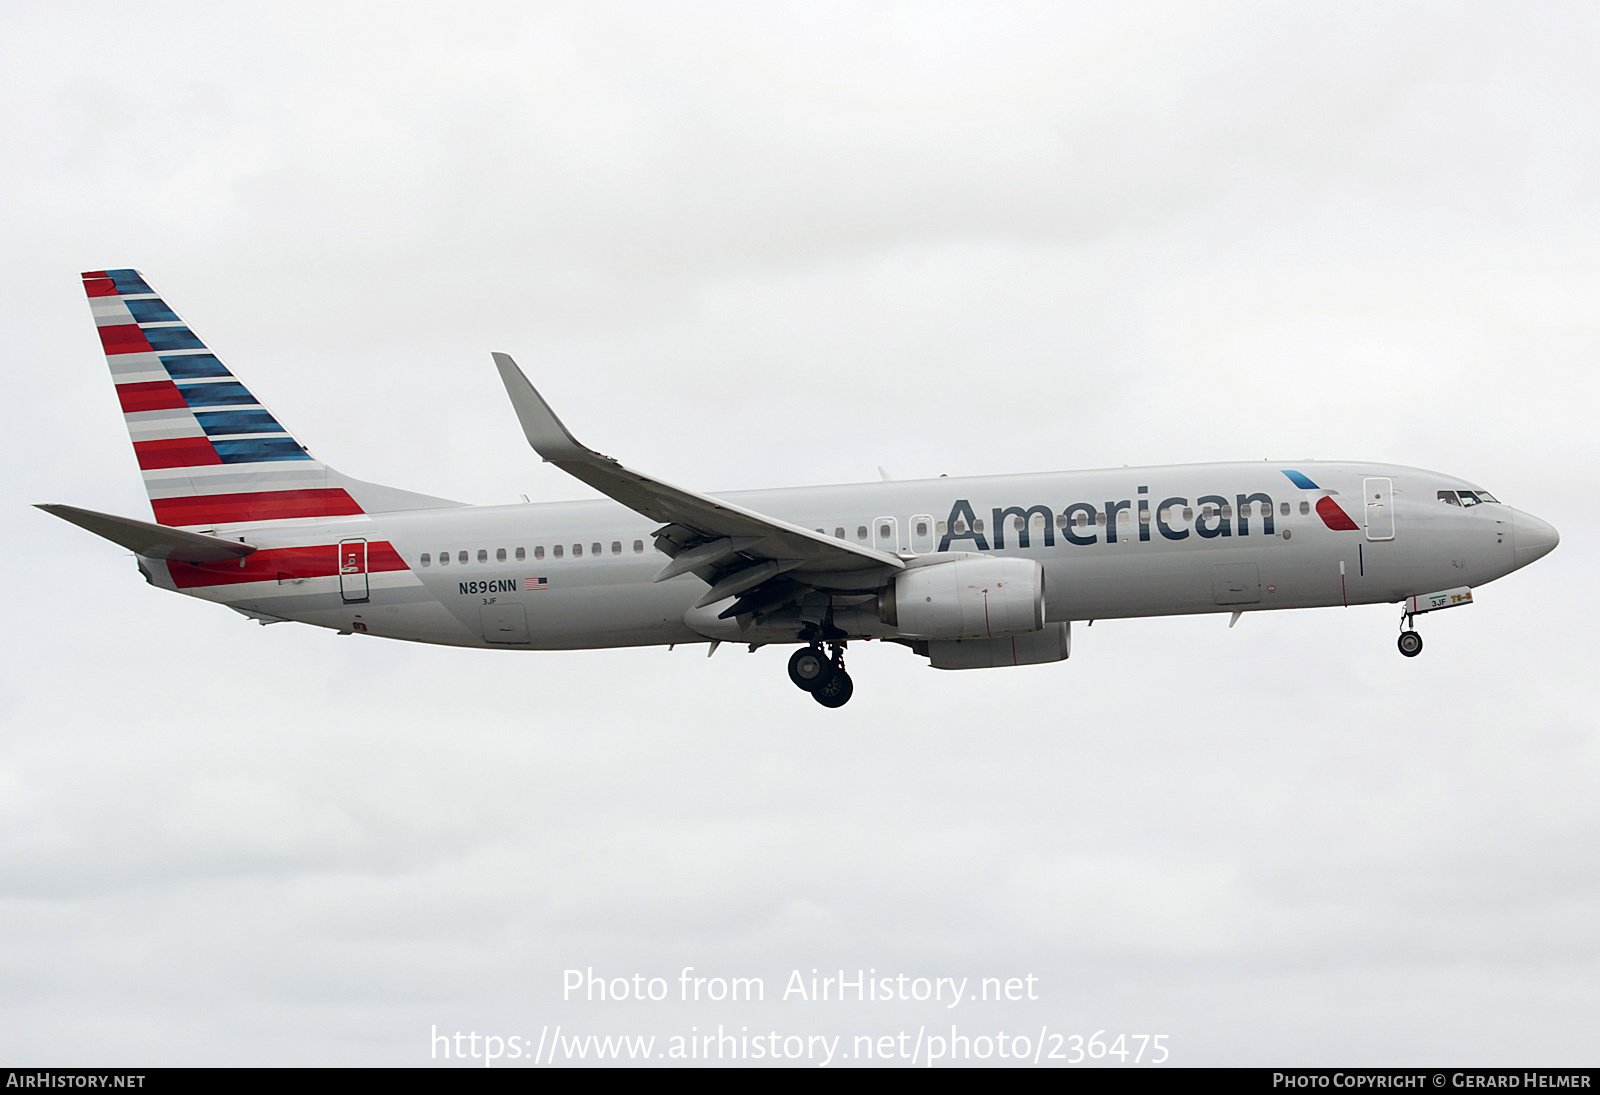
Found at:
(1410, 642)
(822, 674)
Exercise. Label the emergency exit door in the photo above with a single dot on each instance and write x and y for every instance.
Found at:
(886, 534)
(353, 571)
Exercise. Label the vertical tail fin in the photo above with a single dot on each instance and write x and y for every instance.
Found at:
(211, 454)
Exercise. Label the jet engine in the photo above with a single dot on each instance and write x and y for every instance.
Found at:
(983, 598)
(1053, 644)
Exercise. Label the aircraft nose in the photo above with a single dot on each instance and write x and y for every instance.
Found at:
(1531, 538)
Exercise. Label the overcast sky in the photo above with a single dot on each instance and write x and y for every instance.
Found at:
(749, 245)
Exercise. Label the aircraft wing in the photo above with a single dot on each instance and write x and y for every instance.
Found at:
(734, 548)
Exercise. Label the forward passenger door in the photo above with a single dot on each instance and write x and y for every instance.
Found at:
(1380, 509)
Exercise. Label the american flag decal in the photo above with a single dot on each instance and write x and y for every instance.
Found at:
(536, 584)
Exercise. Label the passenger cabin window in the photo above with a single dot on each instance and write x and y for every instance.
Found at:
(483, 555)
(838, 533)
(978, 524)
(884, 531)
(616, 547)
(577, 550)
(557, 550)
(1227, 511)
(1016, 523)
(638, 547)
(522, 553)
(594, 549)
(427, 560)
(861, 532)
(1283, 510)
(538, 551)
(1305, 508)
(444, 558)
(461, 557)
(1099, 518)
(1188, 513)
(922, 528)
(1449, 498)
(941, 526)
(499, 555)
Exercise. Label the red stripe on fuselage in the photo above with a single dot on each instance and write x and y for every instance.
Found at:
(151, 395)
(123, 338)
(175, 452)
(267, 505)
(1335, 517)
(282, 565)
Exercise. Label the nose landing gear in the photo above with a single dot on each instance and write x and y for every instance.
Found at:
(822, 674)
(1410, 642)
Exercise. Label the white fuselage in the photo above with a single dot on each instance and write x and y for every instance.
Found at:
(1119, 542)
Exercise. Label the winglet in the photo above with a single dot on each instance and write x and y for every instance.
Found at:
(706, 517)
(544, 431)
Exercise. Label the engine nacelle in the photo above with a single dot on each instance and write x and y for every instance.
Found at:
(1053, 644)
(985, 598)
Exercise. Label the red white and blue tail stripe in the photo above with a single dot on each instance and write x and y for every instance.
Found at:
(212, 455)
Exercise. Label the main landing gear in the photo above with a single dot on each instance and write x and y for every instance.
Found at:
(822, 674)
(1410, 642)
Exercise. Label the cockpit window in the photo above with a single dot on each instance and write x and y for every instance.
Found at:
(1467, 497)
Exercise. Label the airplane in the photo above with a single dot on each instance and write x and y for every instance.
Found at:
(975, 572)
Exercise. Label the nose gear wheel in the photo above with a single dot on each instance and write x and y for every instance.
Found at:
(1410, 642)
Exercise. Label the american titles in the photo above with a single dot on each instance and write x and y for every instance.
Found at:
(1209, 516)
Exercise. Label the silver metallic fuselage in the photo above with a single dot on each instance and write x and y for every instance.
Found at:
(1148, 568)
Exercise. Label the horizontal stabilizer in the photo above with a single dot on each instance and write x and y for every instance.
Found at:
(150, 540)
